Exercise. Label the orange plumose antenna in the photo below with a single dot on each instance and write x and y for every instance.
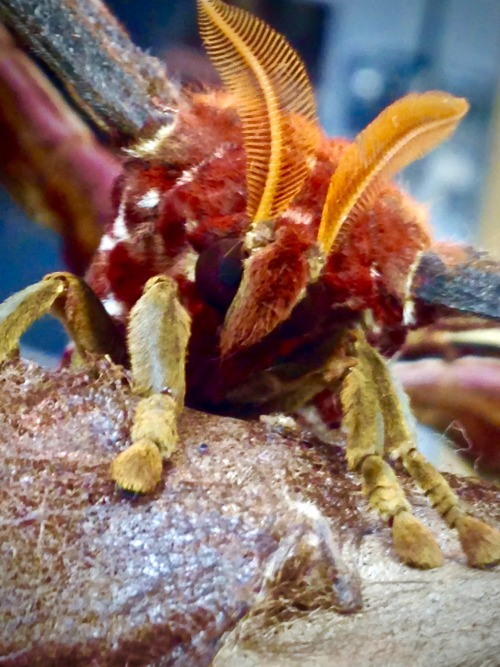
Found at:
(277, 110)
(402, 133)
(271, 89)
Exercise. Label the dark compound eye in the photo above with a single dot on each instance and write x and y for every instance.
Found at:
(218, 272)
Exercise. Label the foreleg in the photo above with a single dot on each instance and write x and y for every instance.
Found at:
(158, 336)
(71, 300)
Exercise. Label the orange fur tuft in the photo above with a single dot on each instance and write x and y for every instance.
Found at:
(138, 468)
(273, 281)
(480, 542)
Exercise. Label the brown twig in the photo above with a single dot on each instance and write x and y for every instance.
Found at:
(120, 87)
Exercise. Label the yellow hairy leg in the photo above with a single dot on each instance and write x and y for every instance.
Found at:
(383, 419)
(363, 420)
(159, 329)
(480, 541)
(68, 298)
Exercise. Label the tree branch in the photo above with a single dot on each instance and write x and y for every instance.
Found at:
(120, 87)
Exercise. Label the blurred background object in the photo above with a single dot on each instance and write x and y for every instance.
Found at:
(361, 55)
(489, 228)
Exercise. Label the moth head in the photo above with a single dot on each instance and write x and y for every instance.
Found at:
(275, 102)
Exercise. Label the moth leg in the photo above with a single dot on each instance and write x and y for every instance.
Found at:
(158, 335)
(71, 300)
(480, 541)
(413, 542)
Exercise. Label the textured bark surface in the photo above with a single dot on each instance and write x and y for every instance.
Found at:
(119, 86)
(255, 533)
(457, 278)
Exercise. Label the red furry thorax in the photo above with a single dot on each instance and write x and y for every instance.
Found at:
(175, 204)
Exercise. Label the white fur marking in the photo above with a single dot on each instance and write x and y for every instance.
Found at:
(107, 243)
(219, 152)
(151, 146)
(188, 175)
(409, 303)
(299, 216)
(150, 199)
(190, 226)
(113, 307)
(409, 312)
(186, 265)
(119, 230)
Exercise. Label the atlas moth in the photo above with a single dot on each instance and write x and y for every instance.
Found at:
(255, 265)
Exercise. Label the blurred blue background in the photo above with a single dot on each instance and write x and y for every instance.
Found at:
(361, 55)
